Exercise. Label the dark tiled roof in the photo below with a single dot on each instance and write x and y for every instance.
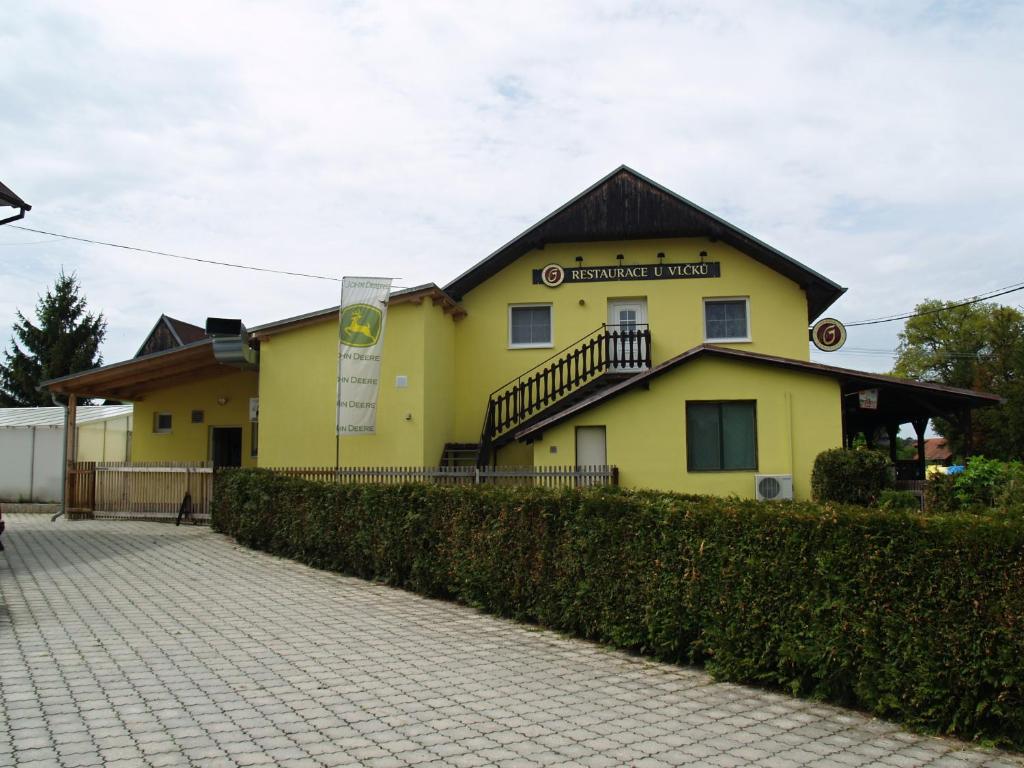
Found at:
(936, 449)
(186, 332)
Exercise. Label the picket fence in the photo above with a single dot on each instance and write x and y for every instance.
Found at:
(156, 490)
(547, 477)
(140, 490)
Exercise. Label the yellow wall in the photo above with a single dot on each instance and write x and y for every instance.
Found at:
(439, 385)
(298, 387)
(187, 441)
(483, 361)
(453, 365)
(797, 417)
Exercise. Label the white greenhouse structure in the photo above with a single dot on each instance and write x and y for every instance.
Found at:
(32, 447)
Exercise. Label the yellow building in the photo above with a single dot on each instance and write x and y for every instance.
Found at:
(629, 327)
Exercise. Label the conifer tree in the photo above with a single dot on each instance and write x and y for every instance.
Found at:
(65, 339)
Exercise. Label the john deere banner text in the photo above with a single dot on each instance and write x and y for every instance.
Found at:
(364, 306)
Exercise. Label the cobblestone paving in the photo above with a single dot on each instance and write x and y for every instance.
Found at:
(131, 644)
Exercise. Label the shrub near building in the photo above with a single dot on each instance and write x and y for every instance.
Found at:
(985, 486)
(913, 618)
(850, 476)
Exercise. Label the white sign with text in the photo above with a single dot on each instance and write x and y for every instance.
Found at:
(364, 306)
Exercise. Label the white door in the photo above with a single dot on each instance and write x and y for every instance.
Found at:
(591, 447)
(626, 319)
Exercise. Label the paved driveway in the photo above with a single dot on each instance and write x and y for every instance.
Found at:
(127, 644)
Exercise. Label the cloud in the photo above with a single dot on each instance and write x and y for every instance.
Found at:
(875, 142)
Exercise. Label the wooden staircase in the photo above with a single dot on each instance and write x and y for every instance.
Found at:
(459, 454)
(603, 357)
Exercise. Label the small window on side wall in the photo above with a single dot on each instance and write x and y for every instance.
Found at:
(726, 319)
(161, 422)
(529, 325)
(721, 436)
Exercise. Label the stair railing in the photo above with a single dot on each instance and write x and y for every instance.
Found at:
(608, 348)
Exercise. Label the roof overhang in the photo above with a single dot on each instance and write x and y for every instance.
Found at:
(625, 205)
(900, 400)
(416, 295)
(133, 379)
(9, 199)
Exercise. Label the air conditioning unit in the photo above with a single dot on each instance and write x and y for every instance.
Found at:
(773, 487)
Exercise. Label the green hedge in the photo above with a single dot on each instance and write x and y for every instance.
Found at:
(913, 618)
(856, 476)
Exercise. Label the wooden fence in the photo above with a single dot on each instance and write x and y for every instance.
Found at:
(548, 477)
(155, 490)
(139, 490)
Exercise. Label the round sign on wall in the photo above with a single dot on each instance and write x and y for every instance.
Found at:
(552, 275)
(828, 334)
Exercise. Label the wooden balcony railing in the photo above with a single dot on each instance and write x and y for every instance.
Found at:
(607, 349)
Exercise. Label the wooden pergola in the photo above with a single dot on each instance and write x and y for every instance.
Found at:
(131, 381)
(893, 402)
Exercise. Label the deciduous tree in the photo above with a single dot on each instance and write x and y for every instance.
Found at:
(980, 346)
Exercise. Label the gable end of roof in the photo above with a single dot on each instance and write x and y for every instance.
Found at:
(625, 205)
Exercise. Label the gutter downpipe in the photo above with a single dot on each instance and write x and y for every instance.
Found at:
(63, 461)
(20, 215)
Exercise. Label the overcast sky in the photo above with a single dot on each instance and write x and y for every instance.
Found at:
(878, 143)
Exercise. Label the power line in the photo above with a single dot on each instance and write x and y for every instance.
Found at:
(177, 256)
(896, 353)
(873, 321)
(966, 302)
(32, 242)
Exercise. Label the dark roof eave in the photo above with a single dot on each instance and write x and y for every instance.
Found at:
(978, 399)
(8, 198)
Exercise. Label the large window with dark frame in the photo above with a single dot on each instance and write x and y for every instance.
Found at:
(721, 436)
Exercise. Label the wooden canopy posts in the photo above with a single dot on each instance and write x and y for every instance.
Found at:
(130, 380)
(70, 452)
(885, 402)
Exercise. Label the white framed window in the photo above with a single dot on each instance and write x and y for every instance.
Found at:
(529, 326)
(727, 319)
(161, 423)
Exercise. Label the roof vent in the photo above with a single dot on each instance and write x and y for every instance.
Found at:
(231, 343)
(224, 326)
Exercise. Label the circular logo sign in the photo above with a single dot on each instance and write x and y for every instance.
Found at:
(360, 325)
(552, 275)
(828, 334)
